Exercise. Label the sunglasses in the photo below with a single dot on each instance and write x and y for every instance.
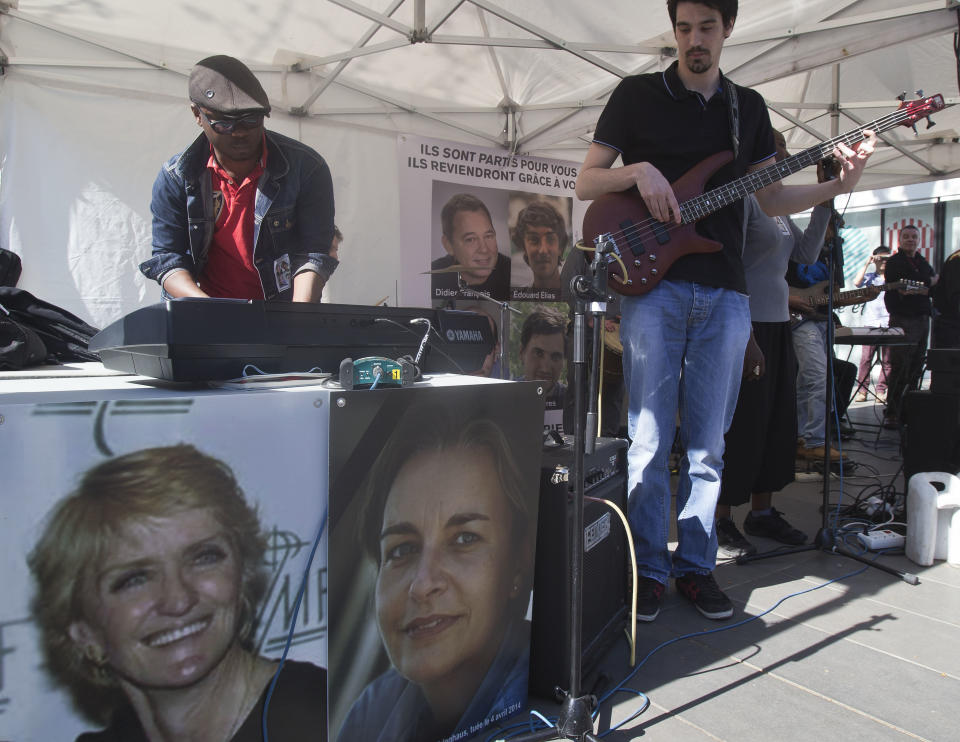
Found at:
(226, 126)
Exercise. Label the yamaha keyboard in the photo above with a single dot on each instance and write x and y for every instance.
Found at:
(214, 339)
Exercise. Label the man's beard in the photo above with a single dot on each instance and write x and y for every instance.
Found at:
(700, 64)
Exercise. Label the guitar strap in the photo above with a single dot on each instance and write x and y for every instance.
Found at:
(733, 110)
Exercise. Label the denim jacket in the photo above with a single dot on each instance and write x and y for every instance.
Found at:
(293, 215)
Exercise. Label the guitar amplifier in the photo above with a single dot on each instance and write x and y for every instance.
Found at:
(605, 579)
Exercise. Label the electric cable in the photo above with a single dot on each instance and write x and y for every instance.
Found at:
(293, 625)
(621, 687)
(434, 347)
(632, 635)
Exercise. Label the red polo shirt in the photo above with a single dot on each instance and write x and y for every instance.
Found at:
(230, 271)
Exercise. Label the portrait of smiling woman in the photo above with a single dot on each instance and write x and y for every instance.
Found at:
(449, 523)
(147, 577)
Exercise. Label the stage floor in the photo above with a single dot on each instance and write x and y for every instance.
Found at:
(864, 657)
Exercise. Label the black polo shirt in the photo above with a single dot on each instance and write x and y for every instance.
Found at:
(654, 118)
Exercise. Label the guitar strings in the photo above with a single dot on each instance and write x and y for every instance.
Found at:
(895, 118)
(808, 156)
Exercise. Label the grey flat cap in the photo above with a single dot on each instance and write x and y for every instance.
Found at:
(226, 85)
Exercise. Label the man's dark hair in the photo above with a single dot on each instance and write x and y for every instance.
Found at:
(882, 250)
(910, 226)
(457, 203)
(542, 321)
(727, 8)
(538, 214)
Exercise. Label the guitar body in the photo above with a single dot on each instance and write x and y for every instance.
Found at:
(646, 246)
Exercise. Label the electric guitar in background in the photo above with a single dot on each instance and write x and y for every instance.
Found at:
(642, 248)
(817, 296)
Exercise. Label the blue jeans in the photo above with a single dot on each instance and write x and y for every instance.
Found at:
(810, 346)
(683, 347)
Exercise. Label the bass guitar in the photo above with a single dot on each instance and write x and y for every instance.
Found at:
(645, 248)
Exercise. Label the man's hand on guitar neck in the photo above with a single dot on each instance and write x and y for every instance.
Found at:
(853, 161)
(777, 199)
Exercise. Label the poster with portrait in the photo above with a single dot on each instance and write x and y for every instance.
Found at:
(541, 236)
(163, 539)
(433, 507)
(487, 230)
(539, 344)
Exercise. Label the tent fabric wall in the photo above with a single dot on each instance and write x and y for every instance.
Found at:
(92, 101)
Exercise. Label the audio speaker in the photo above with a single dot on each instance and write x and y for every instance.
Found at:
(931, 433)
(604, 604)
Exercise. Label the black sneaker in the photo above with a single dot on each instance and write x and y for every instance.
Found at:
(730, 542)
(649, 597)
(706, 595)
(774, 526)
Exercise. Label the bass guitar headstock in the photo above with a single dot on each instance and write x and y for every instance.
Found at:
(912, 111)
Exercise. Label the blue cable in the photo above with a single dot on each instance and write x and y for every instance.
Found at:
(293, 625)
(513, 729)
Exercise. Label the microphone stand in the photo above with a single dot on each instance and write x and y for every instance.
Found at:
(504, 308)
(575, 721)
(826, 538)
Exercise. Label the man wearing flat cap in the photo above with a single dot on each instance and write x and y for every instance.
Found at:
(243, 212)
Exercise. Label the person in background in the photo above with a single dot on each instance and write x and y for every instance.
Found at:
(758, 458)
(874, 314)
(243, 212)
(946, 300)
(910, 311)
(335, 244)
(809, 328)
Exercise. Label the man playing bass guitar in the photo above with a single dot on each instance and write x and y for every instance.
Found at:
(696, 320)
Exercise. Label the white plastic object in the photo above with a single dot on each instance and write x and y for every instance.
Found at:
(933, 518)
(881, 539)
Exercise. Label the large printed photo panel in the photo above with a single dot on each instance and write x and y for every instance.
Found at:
(434, 496)
(158, 556)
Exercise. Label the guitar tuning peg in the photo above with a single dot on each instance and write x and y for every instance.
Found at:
(930, 123)
(902, 97)
(919, 93)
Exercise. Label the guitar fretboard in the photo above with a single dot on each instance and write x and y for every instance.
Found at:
(707, 203)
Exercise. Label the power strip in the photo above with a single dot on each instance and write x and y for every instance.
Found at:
(882, 539)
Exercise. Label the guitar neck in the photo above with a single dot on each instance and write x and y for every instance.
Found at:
(707, 203)
(846, 298)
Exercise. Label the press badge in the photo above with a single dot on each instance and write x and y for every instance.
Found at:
(281, 272)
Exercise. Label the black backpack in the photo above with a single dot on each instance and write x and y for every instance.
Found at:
(63, 335)
(19, 346)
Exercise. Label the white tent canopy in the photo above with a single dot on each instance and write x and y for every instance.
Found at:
(92, 100)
